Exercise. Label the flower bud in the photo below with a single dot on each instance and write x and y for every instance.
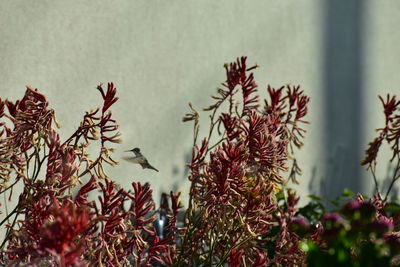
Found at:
(381, 225)
(350, 207)
(300, 226)
(333, 223)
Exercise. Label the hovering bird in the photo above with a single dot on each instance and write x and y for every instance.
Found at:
(140, 159)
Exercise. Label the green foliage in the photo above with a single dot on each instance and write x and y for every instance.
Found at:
(313, 210)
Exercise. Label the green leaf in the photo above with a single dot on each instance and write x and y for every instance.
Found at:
(342, 255)
(280, 195)
(316, 198)
(347, 193)
(392, 207)
(335, 203)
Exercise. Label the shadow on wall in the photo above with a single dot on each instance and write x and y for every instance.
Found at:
(343, 97)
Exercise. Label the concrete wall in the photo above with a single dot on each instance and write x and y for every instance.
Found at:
(163, 54)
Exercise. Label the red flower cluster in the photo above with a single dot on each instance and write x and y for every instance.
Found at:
(389, 133)
(48, 225)
(235, 174)
(61, 233)
(235, 180)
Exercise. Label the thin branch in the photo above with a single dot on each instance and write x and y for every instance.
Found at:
(8, 233)
(9, 215)
(373, 168)
(396, 176)
(16, 181)
(220, 141)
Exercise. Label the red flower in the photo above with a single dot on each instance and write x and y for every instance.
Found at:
(60, 233)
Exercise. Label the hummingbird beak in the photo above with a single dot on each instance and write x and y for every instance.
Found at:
(128, 151)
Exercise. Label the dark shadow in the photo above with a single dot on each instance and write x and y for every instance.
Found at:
(313, 180)
(179, 173)
(343, 97)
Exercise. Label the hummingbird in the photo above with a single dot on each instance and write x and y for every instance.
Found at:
(140, 159)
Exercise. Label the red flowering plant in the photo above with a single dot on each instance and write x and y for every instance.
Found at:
(363, 232)
(240, 211)
(390, 134)
(49, 225)
(233, 208)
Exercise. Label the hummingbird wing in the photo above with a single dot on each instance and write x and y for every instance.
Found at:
(141, 161)
(137, 160)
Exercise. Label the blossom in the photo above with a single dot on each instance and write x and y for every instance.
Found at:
(50, 225)
(238, 169)
(60, 233)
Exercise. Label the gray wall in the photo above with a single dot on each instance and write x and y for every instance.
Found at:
(163, 54)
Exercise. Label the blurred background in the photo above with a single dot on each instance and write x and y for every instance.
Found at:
(161, 55)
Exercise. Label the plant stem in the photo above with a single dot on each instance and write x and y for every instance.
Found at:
(222, 261)
(90, 167)
(210, 148)
(375, 179)
(9, 187)
(9, 215)
(62, 259)
(8, 232)
(395, 177)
